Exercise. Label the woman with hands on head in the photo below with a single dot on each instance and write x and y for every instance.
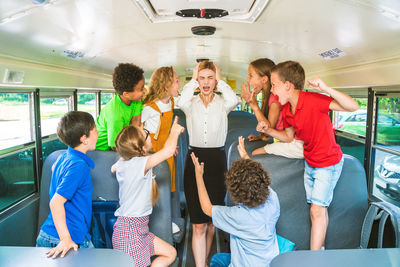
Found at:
(207, 125)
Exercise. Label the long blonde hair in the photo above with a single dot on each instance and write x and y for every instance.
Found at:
(160, 82)
(129, 143)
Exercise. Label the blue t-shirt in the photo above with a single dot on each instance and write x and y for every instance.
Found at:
(71, 179)
(252, 231)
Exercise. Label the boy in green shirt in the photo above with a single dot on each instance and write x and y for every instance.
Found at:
(125, 108)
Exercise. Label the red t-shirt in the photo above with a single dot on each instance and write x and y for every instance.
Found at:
(312, 125)
(275, 99)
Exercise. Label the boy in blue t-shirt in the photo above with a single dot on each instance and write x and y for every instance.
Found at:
(68, 223)
(251, 223)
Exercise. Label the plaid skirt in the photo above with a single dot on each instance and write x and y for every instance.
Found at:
(132, 236)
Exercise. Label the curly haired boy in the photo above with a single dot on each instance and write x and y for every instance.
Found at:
(251, 222)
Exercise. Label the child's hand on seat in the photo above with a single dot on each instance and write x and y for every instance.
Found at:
(242, 149)
(63, 247)
(198, 167)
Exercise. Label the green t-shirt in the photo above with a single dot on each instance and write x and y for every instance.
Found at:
(113, 118)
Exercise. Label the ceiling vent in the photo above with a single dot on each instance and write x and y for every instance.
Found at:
(203, 30)
(246, 11)
(202, 13)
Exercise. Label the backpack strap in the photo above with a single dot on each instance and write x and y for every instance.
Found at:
(380, 211)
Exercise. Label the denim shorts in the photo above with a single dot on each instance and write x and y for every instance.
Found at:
(319, 183)
(46, 240)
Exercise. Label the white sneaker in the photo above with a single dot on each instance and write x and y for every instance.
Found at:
(175, 228)
(322, 248)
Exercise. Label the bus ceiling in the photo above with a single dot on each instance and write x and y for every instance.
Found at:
(77, 43)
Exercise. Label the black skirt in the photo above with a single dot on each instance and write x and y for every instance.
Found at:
(214, 170)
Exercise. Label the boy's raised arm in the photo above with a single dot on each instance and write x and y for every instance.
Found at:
(341, 101)
(205, 202)
(58, 213)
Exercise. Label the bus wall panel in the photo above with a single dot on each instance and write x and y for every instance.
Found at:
(20, 228)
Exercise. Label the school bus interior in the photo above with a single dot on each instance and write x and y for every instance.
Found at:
(58, 55)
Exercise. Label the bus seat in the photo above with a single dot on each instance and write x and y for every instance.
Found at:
(346, 212)
(105, 194)
(178, 197)
(241, 119)
(44, 208)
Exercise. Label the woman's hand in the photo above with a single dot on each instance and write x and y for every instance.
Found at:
(195, 72)
(217, 72)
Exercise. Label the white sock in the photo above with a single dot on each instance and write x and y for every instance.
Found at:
(322, 248)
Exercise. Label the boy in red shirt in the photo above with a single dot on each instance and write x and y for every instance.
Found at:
(307, 115)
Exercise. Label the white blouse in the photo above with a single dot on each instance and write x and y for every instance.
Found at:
(151, 117)
(207, 126)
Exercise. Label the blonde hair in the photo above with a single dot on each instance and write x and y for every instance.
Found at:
(160, 82)
(129, 143)
(207, 65)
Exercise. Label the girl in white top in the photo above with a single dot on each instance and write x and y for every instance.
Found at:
(207, 125)
(137, 195)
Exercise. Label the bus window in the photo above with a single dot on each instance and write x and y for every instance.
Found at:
(105, 98)
(386, 185)
(51, 111)
(353, 122)
(388, 122)
(386, 179)
(352, 127)
(17, 179)
(14, 120)
(87, 103)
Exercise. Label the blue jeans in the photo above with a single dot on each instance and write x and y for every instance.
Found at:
(221, 260)
(46, 240)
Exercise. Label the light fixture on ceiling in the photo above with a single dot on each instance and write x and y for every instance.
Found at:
(198, 60)
(39, 2)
